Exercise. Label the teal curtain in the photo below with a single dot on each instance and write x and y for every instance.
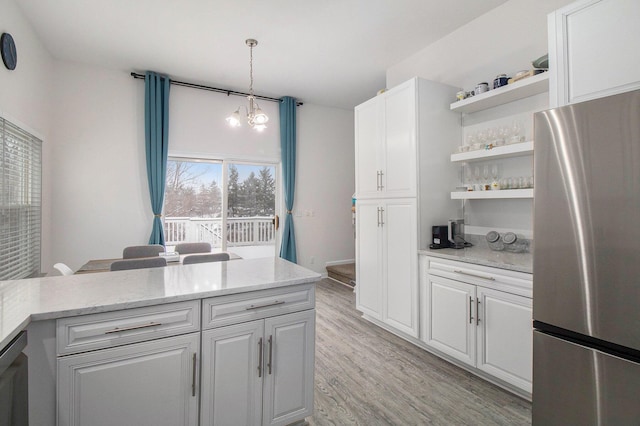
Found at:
(156, 128)
(288, 153)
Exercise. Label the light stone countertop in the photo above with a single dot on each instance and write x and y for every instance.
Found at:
(520, 262)
(23, 301)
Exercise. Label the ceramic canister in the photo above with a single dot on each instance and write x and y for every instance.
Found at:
(481, 88)
(501, 80)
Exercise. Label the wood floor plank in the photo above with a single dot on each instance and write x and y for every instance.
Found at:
(368, 376)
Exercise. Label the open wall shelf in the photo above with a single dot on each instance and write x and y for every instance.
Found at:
(488, 195)
(505, 151)
(512, 92)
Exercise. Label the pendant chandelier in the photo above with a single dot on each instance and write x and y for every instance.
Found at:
(255, 117)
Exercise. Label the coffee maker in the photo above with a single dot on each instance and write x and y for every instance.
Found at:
(448, 236)
(439, 237)
(455, 235)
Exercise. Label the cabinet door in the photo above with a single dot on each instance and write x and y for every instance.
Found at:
(505, 337)
(149, 383)
(451, 325)
(400, 256)
(289, 363)
(368, 135)
(232, 362)
(369, 266)
(399, 142)
(595, 46)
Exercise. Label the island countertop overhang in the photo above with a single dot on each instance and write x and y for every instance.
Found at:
(23, 301)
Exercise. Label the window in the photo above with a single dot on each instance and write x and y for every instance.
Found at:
(231, 205)
(20, 202)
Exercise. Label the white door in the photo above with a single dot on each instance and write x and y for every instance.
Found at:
(289, 363)
(369, 268)
(232, 371)
(368, 124)
(400, 254)
(399, 142)
(142, 384)
(505, 337)
(451, 325)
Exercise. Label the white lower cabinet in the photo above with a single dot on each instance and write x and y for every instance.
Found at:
(483, 327)
(259, 372)
(505, 336)
(151, 383)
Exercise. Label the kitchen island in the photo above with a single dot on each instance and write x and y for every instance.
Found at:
(193, 311)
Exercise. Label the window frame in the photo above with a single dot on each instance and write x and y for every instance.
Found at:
(21, 256)
(225, 161)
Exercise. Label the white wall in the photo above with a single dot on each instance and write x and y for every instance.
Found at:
(100, 184)
(504, 40)
(325, 184)
(25, 100)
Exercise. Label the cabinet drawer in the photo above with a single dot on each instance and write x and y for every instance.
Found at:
(236, 308)
(97, 331)
(500, 279)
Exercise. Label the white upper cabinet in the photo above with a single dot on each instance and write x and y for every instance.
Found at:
(593, 50)
(385, 133)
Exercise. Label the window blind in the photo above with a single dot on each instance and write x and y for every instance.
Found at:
(20, 202)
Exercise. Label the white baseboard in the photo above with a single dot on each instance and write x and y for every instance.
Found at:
(340, 262)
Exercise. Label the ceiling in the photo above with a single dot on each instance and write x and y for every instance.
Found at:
(327, 52)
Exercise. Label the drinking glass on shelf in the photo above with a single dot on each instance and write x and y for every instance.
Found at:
(485, 175)
(530, 182)
(522, 182)
(516, 131)
(503, 135)
(495, 171)
(476, 175)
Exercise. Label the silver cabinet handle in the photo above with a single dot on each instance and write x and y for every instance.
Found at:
(377, 180)
(474, 275)
(134, 327)
(381, 216)
(477, 311)
(260, 357)
(266, 305)
(378, 216)
(470, 307)
(270, 341)
(193, 381)
(381, 185)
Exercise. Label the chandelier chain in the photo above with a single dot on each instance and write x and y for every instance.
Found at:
(251, 69)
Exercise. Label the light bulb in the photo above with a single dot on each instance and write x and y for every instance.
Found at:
(260, 117)
(234, 119)
(260, 127)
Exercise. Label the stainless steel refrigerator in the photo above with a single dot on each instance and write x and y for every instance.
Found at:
(586, 268)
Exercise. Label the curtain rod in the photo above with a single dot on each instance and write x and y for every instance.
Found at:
(214, 89)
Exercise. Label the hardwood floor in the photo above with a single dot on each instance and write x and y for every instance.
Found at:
(368, 376)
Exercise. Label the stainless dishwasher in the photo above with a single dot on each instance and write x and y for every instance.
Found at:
(14, 393)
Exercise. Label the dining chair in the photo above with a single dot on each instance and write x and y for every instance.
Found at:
(63, 269)
(203, 258)
(142, 251)
(188, 248)
(149, 262)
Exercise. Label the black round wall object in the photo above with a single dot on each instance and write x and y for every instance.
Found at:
(8, 51)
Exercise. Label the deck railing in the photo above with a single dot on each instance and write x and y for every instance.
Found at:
(241, 231)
